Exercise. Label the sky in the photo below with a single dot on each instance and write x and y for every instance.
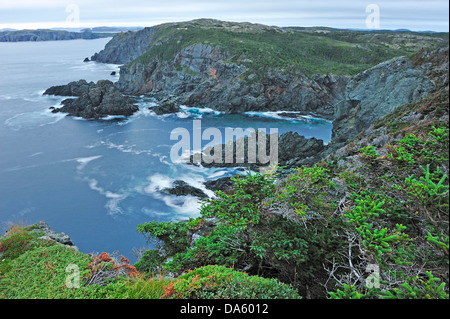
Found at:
(416, 15)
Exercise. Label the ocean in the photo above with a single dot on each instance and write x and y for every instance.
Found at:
(98, 180)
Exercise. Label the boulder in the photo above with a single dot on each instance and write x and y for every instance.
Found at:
(167, 106)
(181, 188)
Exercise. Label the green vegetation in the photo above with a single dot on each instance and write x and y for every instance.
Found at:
(224, 283)
(374, 228)
(262, 49)
(33, 268)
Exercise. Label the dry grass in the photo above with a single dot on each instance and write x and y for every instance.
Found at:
(12, 228)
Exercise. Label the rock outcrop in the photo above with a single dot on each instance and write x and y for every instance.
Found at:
(292, 150)
(49, 234)
(125, 46)
(295, 150)
(375, 93)
(95, 100)
(207, 63)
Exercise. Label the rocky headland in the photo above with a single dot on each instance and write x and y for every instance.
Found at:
(348, 77)
(93, 100)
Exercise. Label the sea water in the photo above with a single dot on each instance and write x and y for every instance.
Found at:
(98, 180)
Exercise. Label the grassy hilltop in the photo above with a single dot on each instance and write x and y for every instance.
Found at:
(306, 50)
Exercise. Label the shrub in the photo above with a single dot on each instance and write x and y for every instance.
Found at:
(150, 262)
(219, 282)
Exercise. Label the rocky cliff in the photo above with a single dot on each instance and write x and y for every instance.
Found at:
(126, 46)
(200, 75)
(239, 67)
(349, 77)
(376, 92)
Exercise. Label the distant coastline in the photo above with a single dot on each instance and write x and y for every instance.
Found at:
(48, 35)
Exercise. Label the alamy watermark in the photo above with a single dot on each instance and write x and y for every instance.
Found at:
(240, 146)
(373, 19)
(73, 17)
(73, 279)
(373, 280)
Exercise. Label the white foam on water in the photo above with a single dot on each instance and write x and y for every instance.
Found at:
(36, 154)
(151, 213)
(83, 161)
(120, 147)
(196, 112)
(33, 119)
(113, 199)
(183, 205)
(278, 115)
(157, 183)
(112, 117)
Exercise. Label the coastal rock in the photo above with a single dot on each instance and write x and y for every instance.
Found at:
(75, 88)
(125, 46)
(296, 150)
(221, 184)
(207, 75)
(94, 100)
(181, 188)
(200, 75)
(59, 238)
(293, 150)
(167, 106)
(376, 92)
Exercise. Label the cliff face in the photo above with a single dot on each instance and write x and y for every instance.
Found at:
(125, 47)
(376, 92)
(200, 75)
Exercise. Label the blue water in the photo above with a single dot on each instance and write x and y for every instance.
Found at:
(97, 180)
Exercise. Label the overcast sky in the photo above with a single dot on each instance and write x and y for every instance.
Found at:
(395, 14)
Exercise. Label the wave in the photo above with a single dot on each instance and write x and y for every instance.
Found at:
(278, 115)
(112, 204)
(146, 109)
(183, 205)
(197, 112)
(33, 119)
(83, 161)
(120, 147)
